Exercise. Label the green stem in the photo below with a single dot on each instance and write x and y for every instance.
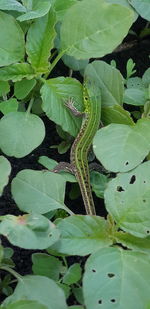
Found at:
(11, 271)
(29, 106)
(54, 63)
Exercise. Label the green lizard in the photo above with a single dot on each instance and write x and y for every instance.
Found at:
(80, 148)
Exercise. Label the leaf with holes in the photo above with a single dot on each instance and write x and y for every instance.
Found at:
(94, 28)
(81, 235)
(5, 170)
(54, 94)
(127, 199)
(38, 191)
(116, 278)
(31, 231)
(120, 147)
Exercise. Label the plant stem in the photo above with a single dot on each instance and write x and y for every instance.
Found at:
(54, 63)
(29, 106)
(11, 271)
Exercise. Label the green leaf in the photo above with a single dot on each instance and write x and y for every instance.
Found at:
(40, 41)
(73, 274)
(17, 72)
(110, 81)
(98, 183)
(35, 9)
(39, 191)
(20, 133)
(11, 5)
(134, 96)
(76, 307)
(116, 114)
(133, 242)
(23, 88)
(82, 235)
(12, 35)
(61, 7)
(116, 278)
(25, 304)
(9, 106)
(75, 64)
(120, 147)
(1, 253)
(5, 170)
(54, 92)
(142, 7)
(46, 265)
(31, 231)
(146, 78)
(39, 288)
(135, 82)
(106, 25)
(127, 200)
(4, 88)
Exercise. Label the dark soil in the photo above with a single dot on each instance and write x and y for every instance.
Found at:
(139, 52)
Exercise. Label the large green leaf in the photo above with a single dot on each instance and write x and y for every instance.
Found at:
(12, 45)
(110, 81)
(116, 278)
(17, 72)
(120, 148)
(25, 304)
(5, 170)
(35, 9)
(116, 114)
(13, 5)
(20, 133)
(142, 7)
(61, 6)
(54, 94)
(82, 235)
(38, 191)
(29, 231)
(127, 199)
(94, 28)
(40, 41)
(41, 289)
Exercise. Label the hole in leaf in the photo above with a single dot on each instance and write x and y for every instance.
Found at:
(113, 300)
(111, 275)
(133, 179)
(100, 301)
(148, 232)
(144, 181)
(120, 189)
(50, 234)
(144, 201)
(126, 163)
(94, 270)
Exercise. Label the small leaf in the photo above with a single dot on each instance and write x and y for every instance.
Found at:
(98, 183)
(133, 242)
(12, 35)
(5, 170)
(116, 114)
(39, 191)
(23, 88)
(17, 72)
(54, 92)
(81, 235)
(73, 274)
(127, 200)
(109, 24)
(113, 276)
(131, 144)
(18, 133)
(40, 41)
(1, 254)
(43, 289)
(46, 265)
(8, 106)
(134, 96)
(146, 78)
(35, 9)
(29, 231)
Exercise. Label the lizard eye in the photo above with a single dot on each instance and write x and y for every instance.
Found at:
(86, 98)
